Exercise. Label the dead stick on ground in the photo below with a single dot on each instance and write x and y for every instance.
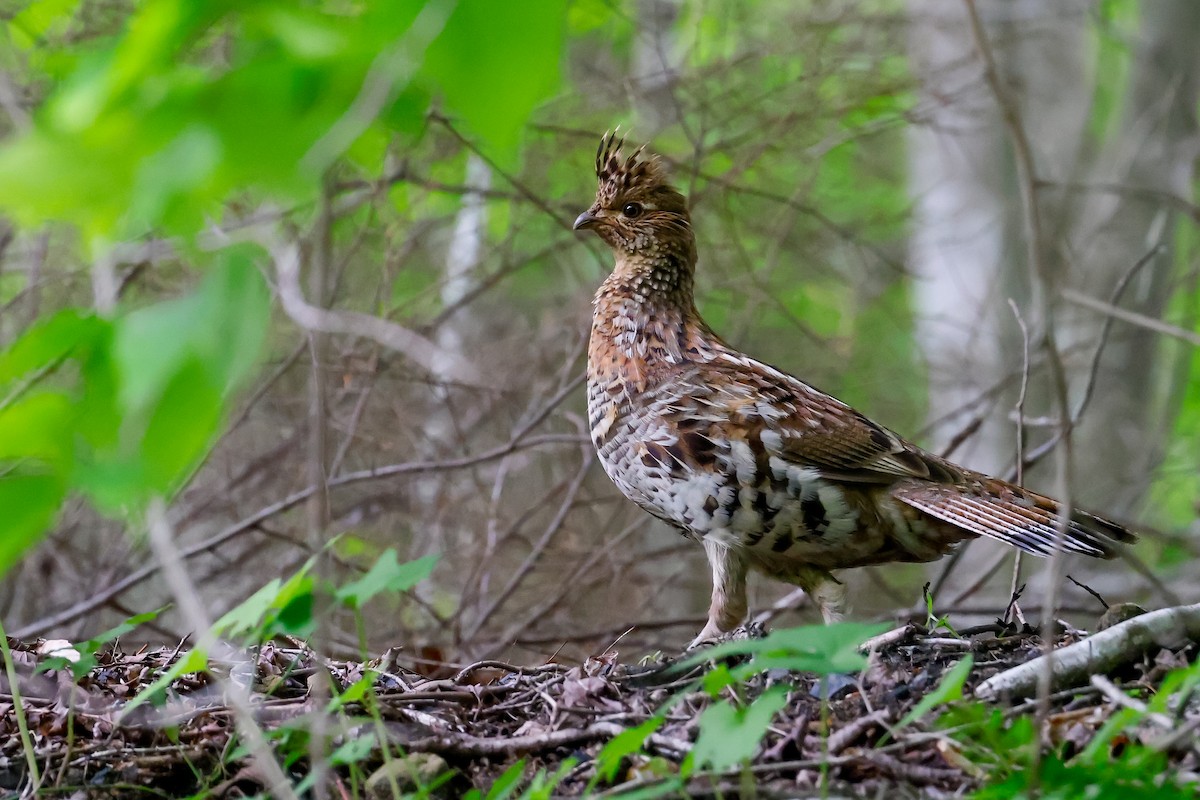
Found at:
(844, 737)
(1113, 692)
(462, 744)
(1099, 654)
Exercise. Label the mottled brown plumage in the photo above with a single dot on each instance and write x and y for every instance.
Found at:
(766, 471)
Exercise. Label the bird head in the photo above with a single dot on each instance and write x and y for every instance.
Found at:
(637, 212)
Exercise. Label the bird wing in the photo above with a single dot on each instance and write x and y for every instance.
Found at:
(780, 417)
(807, 427)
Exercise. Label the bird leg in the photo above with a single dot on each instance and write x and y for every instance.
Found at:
(830, 596)
(826, 591)
(728, 606)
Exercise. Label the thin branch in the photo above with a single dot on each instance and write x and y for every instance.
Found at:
(1132, 317)
(1020, 409)
(296, 498)
(535, 553)
(413, 345)
(1089, 389)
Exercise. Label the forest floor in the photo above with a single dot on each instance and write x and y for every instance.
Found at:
(466, 728)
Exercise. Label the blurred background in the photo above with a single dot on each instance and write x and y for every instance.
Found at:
(975, 222)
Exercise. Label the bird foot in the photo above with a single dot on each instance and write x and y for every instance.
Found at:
(707, 637)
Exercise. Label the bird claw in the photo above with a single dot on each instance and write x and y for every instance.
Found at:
(707, 637)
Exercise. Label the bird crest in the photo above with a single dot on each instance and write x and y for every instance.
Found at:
(619, 175)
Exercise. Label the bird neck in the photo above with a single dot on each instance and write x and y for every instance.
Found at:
(645, 313)
(661, 279)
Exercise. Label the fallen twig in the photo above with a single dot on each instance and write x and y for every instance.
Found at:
(1099, 653)
(894, 636)
(842, 738)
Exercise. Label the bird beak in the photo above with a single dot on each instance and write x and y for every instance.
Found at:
(586, 220)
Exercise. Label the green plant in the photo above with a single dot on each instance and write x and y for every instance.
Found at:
(1117, 763)
(10, 673)
(541, 786)
(932, 621)
(730, 731)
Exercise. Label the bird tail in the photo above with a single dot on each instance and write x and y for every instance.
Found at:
(1017, 517)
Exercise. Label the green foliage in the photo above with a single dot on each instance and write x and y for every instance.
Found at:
(541, 785)
(194, 660)
(286, 607)
(189, 105)
(730, 732)
(278, 607)
(504, 786)
(1138, 774)
(387, 575)
(621, 746)
(932, 621)
(730, 735)
(150, 132)
(121, 410)
(1178, 686)
(1006, 749)
(823, 649)
(949, 689)
(39, 424)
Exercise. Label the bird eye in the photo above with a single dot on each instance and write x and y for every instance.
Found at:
(632, 210)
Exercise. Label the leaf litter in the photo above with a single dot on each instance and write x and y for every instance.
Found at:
(779, 731)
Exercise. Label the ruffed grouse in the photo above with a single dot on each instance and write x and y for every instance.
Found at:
(765, 471)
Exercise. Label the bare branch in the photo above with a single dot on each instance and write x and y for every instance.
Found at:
(1132, 317)
(413, 345)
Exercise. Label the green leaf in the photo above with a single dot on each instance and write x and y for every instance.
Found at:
(355, 691)
(180, 428)
(354, 750)
(716, 679)
(387, 575)
(508, 782)
(49, 341)
(248, 615)
(296, 616)
(164, 180)
(495, 89)
(279, 606)
(30, 504)
(222, 326)
(949, 688)
(38, 427)
(823, 649)
(728, 735)
(37, 18)
(624, 744)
